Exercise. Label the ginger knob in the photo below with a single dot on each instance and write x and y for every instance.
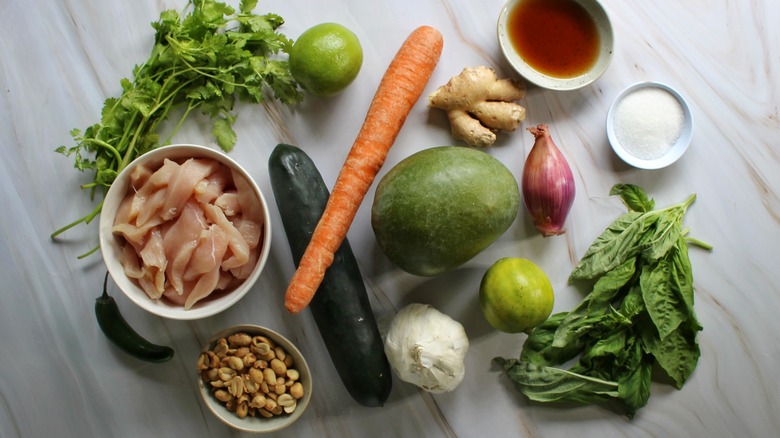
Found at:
(478, 104)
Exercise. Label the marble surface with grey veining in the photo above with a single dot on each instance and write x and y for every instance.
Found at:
(59, 376)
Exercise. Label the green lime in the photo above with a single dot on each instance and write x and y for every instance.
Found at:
(325, 59)
(515, 295)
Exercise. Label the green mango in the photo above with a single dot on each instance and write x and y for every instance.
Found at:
(438, 208)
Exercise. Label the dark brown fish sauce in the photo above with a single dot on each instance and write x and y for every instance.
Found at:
(555, 37)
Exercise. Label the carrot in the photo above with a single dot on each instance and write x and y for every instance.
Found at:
(398, 91)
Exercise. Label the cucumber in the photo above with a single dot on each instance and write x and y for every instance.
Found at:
(340, 307)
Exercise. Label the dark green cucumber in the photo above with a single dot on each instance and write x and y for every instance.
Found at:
(340, 307)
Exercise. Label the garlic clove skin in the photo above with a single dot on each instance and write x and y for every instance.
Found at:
(427, 348)
(547, 184)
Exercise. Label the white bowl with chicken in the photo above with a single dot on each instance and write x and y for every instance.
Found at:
(184, 231)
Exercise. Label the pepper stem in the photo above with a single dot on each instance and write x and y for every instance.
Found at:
(105, 286)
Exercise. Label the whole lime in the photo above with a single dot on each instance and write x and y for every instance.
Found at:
(515, 295)
(325, 59)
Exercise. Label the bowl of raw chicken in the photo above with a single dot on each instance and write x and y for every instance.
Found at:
(184, 231)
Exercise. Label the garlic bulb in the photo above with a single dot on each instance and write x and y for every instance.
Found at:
(427, 348)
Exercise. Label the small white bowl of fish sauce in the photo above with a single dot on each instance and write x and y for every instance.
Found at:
(558, 45)
(184, 231)
(649, 125)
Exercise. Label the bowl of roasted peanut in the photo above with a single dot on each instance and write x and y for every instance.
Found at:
(254, 379)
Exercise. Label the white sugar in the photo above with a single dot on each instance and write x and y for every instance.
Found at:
(648, 122)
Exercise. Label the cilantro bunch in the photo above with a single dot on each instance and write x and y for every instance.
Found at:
(206, 58)
(638, 315)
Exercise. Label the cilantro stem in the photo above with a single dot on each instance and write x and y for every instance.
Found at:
(85, 219)
(176, 128)
(107, 146)
(89, 253)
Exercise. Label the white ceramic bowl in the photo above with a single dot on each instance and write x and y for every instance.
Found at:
(111, 248)
(259, 424)
(606, 40)
(676, 150)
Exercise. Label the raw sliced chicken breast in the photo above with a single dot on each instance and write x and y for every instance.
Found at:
(189, 228)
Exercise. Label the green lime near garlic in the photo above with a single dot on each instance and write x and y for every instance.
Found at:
(427, 348)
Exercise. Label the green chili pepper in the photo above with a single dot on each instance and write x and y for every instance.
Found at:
(118, 331)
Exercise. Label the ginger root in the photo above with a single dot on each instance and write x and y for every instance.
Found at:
(478, 104)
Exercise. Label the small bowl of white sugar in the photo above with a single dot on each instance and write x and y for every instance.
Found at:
(649, 125)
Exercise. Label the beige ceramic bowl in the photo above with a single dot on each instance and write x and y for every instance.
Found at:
(111, 249)
(259, 424)
(607, 42)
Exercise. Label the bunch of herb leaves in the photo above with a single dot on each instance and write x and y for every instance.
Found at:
(205, 58)
(639, 313)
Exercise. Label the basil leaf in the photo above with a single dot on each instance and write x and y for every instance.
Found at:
(634, 385)
(602, 355)
(663, 304)
(632, 304)
(677, 353)
(597, 303)
(539, 349)
(681, 276)
(665, 234)
(634, 197)
(615, 244)
(550, 384)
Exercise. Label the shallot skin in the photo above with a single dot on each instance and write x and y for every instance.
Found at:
(548, 184)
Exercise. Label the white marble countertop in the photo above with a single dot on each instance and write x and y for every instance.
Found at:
(60, 376)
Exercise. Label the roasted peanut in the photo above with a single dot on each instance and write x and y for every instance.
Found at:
(280, 353)
(296, 390)
(226, 373)
(236, 386)
(290, 409)
(222, 395)
(270, 404)
(285, 400)
(250, 385)
(263, 340)
(235, 362)
(256, 375)
(221, 348)
(270, 376)
(279, 367)
(203, 362)
(242, 410)
(251, 375)
(240, 339)
(258, 402)
(249, 359)
(214, 359)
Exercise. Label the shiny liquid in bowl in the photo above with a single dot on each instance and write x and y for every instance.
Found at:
(557, 38)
